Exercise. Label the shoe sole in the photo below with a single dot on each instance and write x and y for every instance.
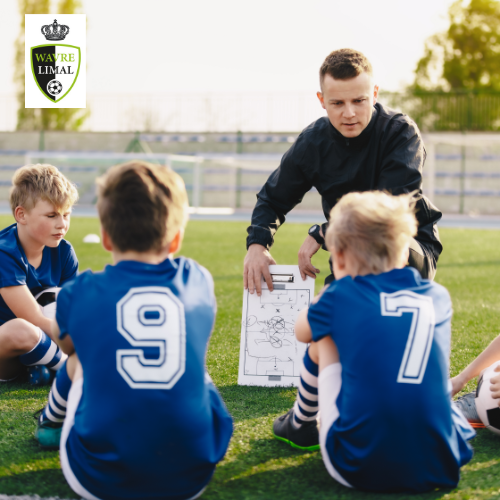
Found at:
(314, 447)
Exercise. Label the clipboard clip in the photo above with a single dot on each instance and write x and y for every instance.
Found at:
(282, 278)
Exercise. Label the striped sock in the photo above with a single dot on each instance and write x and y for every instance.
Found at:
(55, 411)
(306, 404)
(46, 352)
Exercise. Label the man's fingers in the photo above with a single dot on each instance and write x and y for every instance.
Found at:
(267, 278)
(245, 277)
(251, 286)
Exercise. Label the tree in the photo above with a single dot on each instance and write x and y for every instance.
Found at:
(467, 55)
(43, 118)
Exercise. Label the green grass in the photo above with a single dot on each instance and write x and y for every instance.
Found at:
(256, 465)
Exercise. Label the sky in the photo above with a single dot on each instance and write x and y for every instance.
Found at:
(142, 46)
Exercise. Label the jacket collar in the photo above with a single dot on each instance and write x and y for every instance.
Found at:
(359, 141)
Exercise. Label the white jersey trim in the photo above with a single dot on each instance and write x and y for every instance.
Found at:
(329, 384)
(75, 394)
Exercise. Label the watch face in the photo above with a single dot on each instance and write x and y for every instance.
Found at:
(312, 229)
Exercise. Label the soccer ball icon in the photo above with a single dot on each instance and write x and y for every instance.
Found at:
(487, 407)
(54, 87)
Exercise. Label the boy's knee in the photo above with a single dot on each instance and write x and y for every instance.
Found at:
(19, 336)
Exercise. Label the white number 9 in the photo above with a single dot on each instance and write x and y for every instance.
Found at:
(151, 317)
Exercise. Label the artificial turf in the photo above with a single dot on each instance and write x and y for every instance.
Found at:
(257, 466)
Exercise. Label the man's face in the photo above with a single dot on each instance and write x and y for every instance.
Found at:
(46, 225)
(349, 103)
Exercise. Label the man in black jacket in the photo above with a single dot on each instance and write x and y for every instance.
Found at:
(359, 146)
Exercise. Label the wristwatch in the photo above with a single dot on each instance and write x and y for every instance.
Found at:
(314, 231)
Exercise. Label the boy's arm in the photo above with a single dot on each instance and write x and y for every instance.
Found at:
(66, 344)
(485, 359)
(303, 331)
(22, 303)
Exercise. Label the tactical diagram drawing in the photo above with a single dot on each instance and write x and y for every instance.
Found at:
(271, 350)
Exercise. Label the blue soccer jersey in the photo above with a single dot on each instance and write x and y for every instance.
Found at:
(150, 423)
(59, 265)
(397, 429)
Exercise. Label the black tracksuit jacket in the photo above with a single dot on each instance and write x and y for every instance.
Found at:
(388, 155)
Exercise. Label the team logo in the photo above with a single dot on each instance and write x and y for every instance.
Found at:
(55, 67)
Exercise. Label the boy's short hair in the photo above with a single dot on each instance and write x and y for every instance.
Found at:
(41, 181)
(344, 64)
(141, 205)
(375, 227)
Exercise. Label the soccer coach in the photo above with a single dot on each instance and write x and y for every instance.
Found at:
(359, 146)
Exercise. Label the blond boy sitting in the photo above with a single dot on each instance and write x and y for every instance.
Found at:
(379, 339)
(33, 256)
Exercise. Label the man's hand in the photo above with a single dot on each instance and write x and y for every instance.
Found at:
(495, 386)
(307, 250)
(256, 264)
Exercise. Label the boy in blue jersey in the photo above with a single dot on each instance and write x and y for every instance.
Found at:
(380, 341)
(143, 419)
(467, 403)
(33, 256)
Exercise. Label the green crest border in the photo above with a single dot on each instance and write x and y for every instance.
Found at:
(77, 71)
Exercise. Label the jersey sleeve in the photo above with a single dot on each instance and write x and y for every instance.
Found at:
(70, 267)
(63, 308)
(211, 288)
(12, 270)
(320, 316)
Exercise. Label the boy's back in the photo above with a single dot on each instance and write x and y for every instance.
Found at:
(145, 424)
(396, 430)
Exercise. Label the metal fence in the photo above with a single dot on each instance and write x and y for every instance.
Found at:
(264, 111)
(449, 111)
(461, 174)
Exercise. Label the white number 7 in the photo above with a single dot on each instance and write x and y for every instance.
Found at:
(418, 345)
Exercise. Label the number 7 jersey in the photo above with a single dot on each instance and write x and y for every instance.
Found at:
(149, 423)
(396, 428)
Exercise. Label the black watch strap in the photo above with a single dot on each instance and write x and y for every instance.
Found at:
(314, 231)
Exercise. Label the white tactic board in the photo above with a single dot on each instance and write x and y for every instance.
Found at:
(270, 355)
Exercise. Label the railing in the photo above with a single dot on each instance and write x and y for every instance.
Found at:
(461, 174)
(265, 111)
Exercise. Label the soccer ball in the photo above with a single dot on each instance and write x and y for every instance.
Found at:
(54, 87)
(487, 407)
(47, 301)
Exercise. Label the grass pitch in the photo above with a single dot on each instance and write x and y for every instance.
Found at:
(257, 466)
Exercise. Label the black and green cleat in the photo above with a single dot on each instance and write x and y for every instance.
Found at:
(47, 433)
(305, 438)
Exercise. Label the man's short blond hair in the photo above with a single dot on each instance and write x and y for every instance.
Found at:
(41, 182)
(142, 206)
(374, 226)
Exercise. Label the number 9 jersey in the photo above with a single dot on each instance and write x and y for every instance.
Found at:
(147, 422)
(396, 428)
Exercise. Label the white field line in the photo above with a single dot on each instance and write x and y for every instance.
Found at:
(29, 497)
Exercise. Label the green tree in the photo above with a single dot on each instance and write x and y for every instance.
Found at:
(43, 118)
(467, 55)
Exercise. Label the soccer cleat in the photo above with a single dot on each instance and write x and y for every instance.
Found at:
(40, 375)
(467, 406)
(47, 433)
(304, 438)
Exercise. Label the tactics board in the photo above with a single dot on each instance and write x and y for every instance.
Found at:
(270, 355)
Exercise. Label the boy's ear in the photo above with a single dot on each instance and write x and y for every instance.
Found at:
(339, 258)
(106, 240)
(175, 245)
(20, 215)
